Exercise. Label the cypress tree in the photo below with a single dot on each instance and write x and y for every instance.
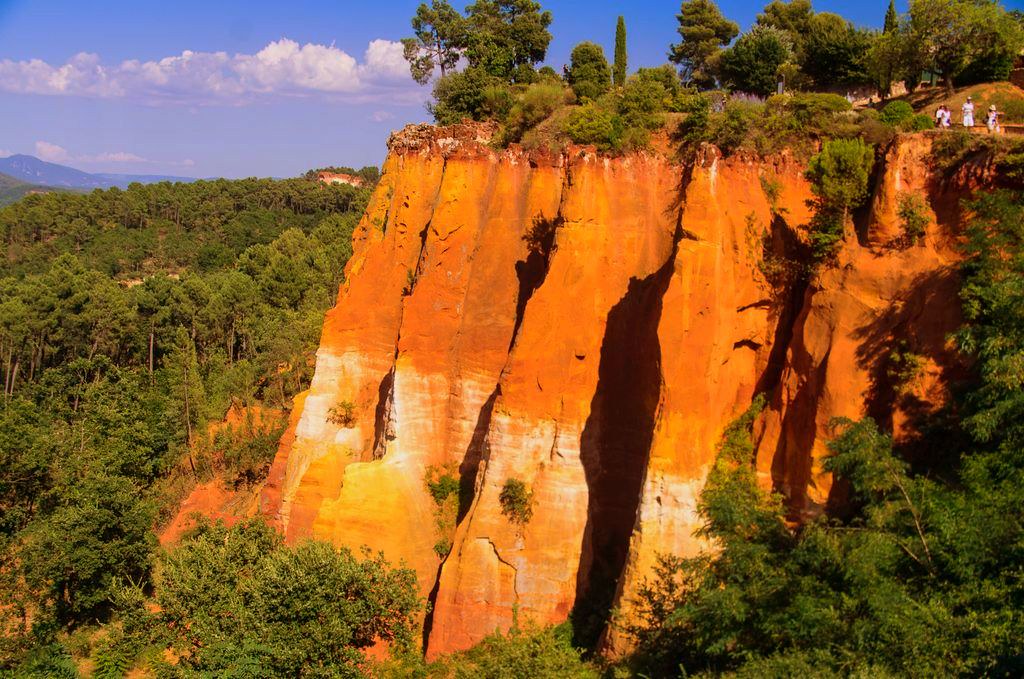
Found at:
(892, 19)
(619, 72)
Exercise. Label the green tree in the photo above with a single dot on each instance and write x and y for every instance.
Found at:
(440, 36)
(835, 52)
(507, 37)
(753, 63)
(839, 177)
(793, 18)
(619, 72)
(589, 75)
(886, 61)
(234, 596)
(704, 31)
(946, 36)
(892, 18)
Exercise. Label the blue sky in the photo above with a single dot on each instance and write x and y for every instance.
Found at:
(220, 88)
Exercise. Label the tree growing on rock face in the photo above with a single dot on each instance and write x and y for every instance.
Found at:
(440, 36)
(589, 75)
(619, 72)
(704, 31)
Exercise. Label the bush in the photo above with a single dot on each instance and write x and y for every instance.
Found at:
(468, 94)
(913, 214)
(896, 113)
(592, 124)
(516, 501)
(442, 484)
(343, 414)
(533, 107)
(643, 102)
(810, 108)
(839, 174)
(919, 123)
(240, 597)
(526, 653)
(445, 489)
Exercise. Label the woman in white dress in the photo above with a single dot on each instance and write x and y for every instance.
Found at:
(968, 111)
(992, 120)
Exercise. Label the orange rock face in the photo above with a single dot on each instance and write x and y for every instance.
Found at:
(588, 327)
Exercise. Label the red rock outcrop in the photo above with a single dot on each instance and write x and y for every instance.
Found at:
(589, 326)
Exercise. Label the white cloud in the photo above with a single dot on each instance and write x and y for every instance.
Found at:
(52, 152)
(118, 157)
(381, 116)
(6, 152)
(58, 154)
(283, 67)
(386, 59)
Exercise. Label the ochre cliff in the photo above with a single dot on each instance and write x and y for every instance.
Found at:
(589, 326)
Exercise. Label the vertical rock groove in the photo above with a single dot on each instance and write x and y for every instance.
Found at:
(616, 441)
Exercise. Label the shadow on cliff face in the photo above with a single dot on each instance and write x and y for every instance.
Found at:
(531, 272)
(615, 445)
(896, 345)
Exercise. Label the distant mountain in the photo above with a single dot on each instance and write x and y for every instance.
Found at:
(12, 189)
(34, 171)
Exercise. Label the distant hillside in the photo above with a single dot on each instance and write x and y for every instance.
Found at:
(12, 189)
(35, 171)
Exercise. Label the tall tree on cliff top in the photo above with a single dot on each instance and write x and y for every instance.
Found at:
(505, 38)
(892, 19)
(754, 62)
(440, 36)
(704, 31)
(793, 18)
(619, 72)
(589, 75)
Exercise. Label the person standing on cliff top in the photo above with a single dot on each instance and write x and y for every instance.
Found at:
(992, 120)
(968, 111)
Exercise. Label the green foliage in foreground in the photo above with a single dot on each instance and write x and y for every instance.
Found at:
(523, 652)
(923, 579)
(109, 386)
(237, 599)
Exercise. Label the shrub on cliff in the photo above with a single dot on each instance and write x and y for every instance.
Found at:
(839, 177)
(896, 113)
(535, 105)
(527, 651)
(593, 124)
(516, 501)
